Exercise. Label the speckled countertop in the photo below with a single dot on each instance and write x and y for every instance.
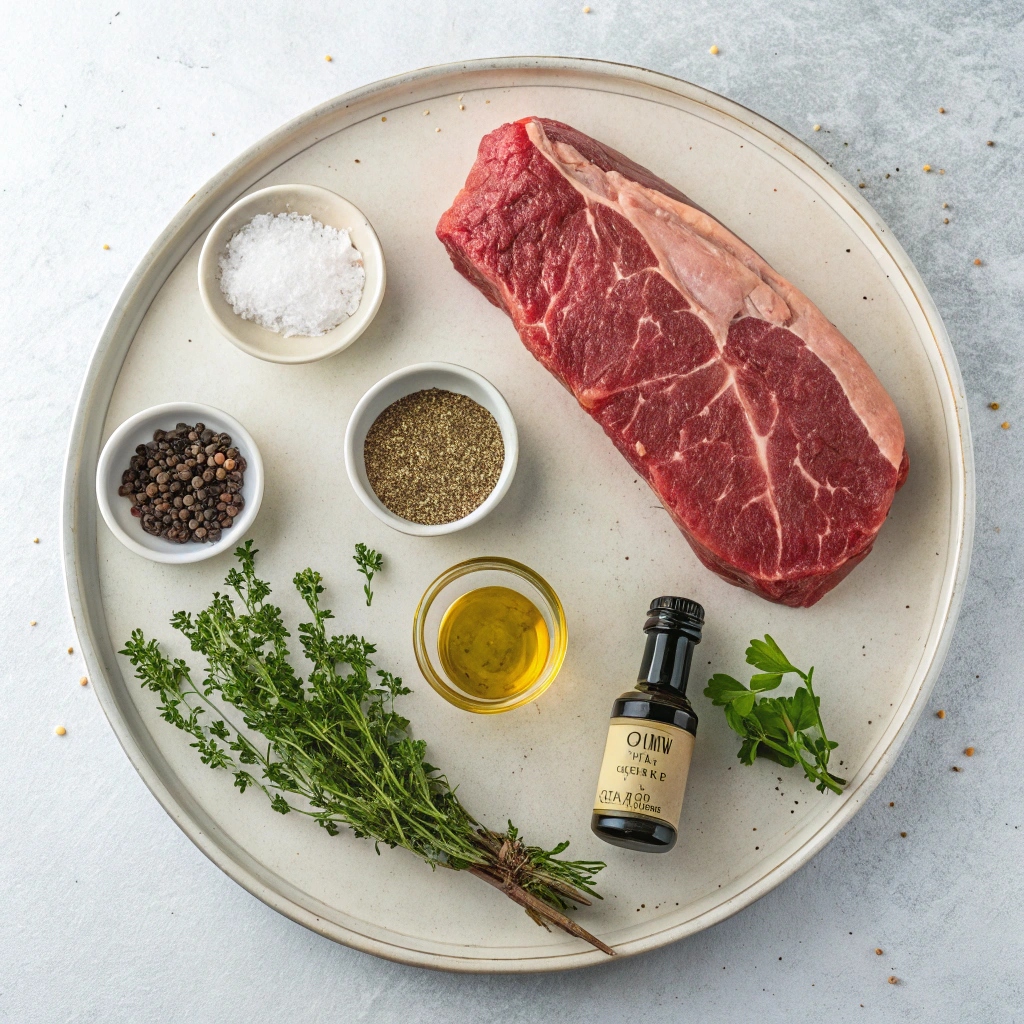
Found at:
(111, 117)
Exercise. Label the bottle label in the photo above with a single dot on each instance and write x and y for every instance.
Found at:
(644, 770)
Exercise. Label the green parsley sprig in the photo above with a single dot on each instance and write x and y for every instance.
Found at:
(369, 563)
(787, 730)
(332, 746)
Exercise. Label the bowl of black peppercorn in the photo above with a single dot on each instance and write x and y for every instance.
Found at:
(179, 482)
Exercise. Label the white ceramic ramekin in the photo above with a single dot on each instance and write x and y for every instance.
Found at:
(321, 205)
(420, 377)
(117, 454)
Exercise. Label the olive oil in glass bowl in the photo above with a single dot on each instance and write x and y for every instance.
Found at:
(489, 635)
(493, 642)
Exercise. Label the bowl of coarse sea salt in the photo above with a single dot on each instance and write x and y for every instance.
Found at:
(292, 273)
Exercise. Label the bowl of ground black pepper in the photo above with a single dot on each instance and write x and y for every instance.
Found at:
(431, 449)
(179, 482)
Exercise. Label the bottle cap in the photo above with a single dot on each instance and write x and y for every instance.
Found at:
(690, 610)
(676, 613)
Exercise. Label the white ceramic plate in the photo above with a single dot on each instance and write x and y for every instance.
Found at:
(575, 513)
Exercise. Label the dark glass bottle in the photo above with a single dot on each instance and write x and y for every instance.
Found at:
(650, 737)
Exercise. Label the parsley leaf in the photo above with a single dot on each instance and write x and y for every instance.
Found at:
(768, 657)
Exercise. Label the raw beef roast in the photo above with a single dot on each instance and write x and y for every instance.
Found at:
(759, 426)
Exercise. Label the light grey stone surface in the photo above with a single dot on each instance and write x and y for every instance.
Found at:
(109, 120)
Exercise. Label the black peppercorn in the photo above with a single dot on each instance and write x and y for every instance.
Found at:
(175, 483)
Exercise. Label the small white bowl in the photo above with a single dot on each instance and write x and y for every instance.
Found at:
(321, 205)
(419, 377)
(117, 454)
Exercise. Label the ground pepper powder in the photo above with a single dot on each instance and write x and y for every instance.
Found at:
(433, 456)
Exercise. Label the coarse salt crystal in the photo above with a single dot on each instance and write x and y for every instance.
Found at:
(291, 274)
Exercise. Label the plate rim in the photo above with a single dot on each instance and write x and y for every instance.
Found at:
(78, 519)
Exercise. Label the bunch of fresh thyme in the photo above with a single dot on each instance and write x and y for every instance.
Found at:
(335, 748)
(788, 730)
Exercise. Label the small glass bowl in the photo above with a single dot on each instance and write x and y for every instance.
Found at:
(461, 579)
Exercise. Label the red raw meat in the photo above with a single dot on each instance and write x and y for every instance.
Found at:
(761, 429)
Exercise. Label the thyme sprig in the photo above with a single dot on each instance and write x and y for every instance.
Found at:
(788, 730)
(369, 563)
(333, 747)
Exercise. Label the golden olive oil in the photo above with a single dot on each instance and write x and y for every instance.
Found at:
(493, 643)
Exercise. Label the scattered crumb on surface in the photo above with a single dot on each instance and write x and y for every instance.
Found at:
(927, 167)
(993, 405)
(990, 143)
(903, 835)
(35, 540)
(1005, 425)
(942, 110)
(105, 246)
(84, 681)
(977, 263)
(71, 650)
(878, 952)
(60, 730)
(328, 58)
(969, 752)
(713, 51)
(940, 714)
(33, 622)
(817, 127)
(893, 980)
